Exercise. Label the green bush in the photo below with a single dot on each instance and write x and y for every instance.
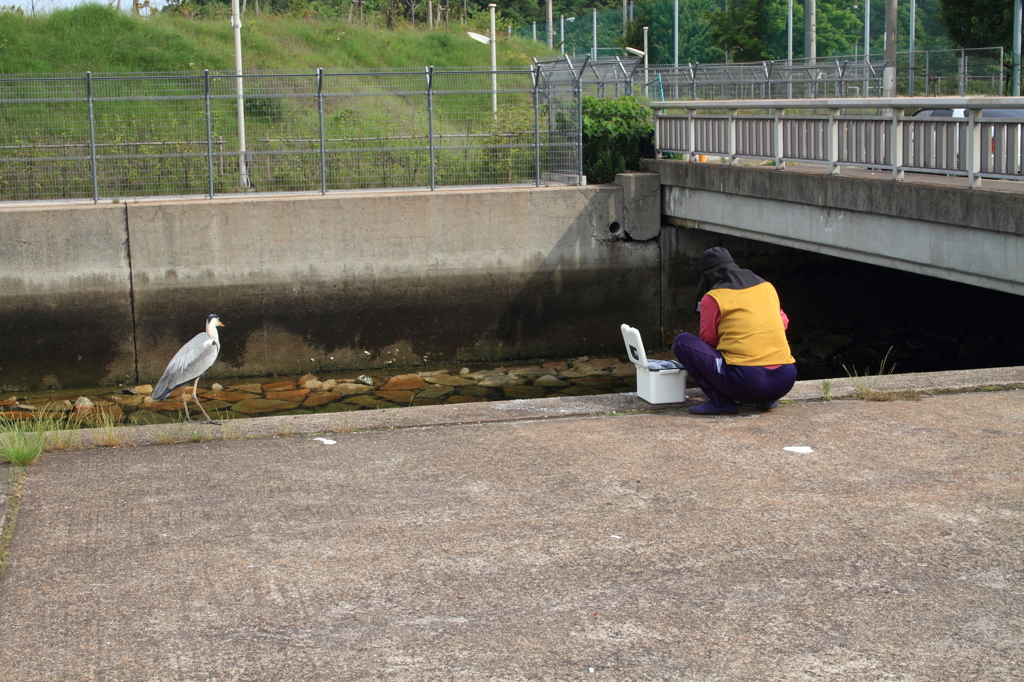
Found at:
(616, 135)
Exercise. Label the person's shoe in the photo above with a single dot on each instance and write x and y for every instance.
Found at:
(711, 408)
(768, 406)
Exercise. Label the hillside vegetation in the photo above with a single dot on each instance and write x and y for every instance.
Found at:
(99, 39)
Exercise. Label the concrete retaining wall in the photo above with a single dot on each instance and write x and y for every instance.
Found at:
(345, 281)
(65, 297)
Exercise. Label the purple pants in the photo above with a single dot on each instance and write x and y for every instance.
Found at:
(724, 384)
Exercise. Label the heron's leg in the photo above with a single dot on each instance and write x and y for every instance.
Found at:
(195, 397)
(184, 402)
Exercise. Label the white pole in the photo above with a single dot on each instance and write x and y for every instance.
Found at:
(1016, 47)
(594, 55)
(889, 73)
(675, 28)
(789, 49)
(561, 19)
(551, 24)
(647, 78)
(867, 30)
(494, 63)
(913, 33)
(810, 31)
(789, 35)
(236, 24)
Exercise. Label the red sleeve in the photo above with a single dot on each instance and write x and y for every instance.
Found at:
(785, 318)
(710, 316)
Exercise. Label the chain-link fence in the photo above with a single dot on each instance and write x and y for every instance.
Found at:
(929, 73)
(952, 73)
(115, 136)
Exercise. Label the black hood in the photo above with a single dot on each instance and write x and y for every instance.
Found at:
(719, 271)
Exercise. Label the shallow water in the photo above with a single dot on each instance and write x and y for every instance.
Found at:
(308, 394)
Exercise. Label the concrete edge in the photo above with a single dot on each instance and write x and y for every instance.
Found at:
(430, 416)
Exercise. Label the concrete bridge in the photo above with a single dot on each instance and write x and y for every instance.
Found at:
(926, 224)
(820, 179)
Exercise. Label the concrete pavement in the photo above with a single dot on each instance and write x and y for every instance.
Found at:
(558, 539)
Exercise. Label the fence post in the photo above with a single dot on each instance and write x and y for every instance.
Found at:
(92, 139)
(691, 133)
(963, 71)
(730, 144)
(209, 131)
(323, 139)
(577, 85)
(927, 72)
(430, 125)
(535, 74)
(833, 141)
(896, 145)
(778, 139)
(973, 149)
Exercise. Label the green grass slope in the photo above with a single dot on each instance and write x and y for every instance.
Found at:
(99, 39)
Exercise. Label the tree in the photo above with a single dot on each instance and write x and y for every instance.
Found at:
(979, 23)
(695, 42)
(747, 30)
(755, 30)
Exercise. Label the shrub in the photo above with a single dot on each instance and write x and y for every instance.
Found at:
(617, 133)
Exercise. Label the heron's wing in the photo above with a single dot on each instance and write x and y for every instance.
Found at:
(191, 360)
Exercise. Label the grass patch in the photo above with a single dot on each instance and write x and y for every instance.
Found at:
(21, 441)
(182, 433)
(63, 439)
(101, 39)
(344, 427)
(867, 386)
(230, 432)
(111, 435)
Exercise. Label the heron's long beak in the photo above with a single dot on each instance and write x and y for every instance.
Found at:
(219, 323)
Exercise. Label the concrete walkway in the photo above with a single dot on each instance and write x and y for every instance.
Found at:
(558, 539)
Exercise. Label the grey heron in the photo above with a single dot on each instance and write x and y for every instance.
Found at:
(189, 363)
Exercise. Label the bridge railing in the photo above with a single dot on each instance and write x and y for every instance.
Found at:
(980, 138)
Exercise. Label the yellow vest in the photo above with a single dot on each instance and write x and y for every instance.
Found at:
(750, 332)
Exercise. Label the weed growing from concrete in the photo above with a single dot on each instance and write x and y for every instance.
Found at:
(110, 435)
(390, 424)
(21, 441)
(867, 387)
(230, 432)
(197, 436)
(826, 390)
(63, 439)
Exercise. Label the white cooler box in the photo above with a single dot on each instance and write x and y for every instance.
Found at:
(653, 385)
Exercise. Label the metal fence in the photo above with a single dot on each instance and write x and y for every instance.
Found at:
(872, 133)
(121, 136)
(925, 72)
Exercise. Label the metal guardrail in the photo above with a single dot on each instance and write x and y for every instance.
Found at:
(131, 136)
(865, 133)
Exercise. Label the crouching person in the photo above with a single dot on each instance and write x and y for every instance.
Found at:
(742, 355)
